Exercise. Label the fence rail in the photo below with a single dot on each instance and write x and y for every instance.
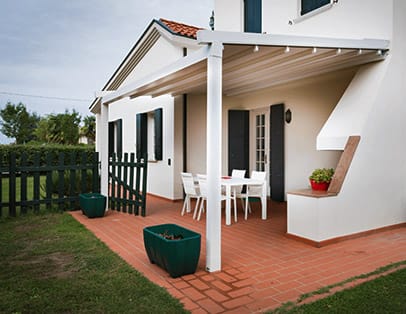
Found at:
(30, 182)
(128, 183)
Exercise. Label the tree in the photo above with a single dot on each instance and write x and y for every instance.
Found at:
(62, 128)
(18, 123)
(89, 128)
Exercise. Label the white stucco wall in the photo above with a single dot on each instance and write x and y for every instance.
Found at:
(346, 19)
(373, 194)
(160, 55)
(160, 174)
(311, 102)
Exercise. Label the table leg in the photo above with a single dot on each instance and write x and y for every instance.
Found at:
(228, 205)
(264, 201)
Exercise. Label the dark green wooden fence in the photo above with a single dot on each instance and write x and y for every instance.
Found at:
(128, 179)
(46, 180)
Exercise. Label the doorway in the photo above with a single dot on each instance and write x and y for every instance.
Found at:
(259, 148)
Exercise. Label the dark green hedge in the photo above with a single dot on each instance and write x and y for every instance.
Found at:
(53, 150)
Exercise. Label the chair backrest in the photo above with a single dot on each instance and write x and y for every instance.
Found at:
(238, 173)
(202, 184)
(258, 175)
(256, 190)
(188, 183)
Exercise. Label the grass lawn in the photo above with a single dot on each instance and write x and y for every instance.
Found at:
(386, 294)
(49, 263)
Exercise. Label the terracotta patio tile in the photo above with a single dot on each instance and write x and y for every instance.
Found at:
(237, 302)
(216, 295)
(189, 304)
(211, 306)
(193, 294)
(225, 277)
(243, 283)
(238, 310)
(181, 285)
(261, 267)
(208, 278)
(220, 285)
(198, 284)
(240, 292)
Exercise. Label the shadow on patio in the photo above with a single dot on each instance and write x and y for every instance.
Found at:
(261, 267)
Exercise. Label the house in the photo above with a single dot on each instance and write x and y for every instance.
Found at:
(279, 86)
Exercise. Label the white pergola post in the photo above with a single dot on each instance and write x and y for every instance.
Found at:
(104, 150)
(214, 108)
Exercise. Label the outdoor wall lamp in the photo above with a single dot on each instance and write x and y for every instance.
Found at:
(288, 116)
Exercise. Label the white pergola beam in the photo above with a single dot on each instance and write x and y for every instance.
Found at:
(238, 38)
(104, 151)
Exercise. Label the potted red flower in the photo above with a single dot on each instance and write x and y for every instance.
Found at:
(320, 178)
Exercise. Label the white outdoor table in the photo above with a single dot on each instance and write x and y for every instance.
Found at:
(229, 182)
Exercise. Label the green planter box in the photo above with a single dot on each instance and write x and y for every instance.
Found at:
(92, 204)
(177, 257)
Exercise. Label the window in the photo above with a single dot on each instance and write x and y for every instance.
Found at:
(253, 16)
(149, 134)
(311, 5)
(116, 137)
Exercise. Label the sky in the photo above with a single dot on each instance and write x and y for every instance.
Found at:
(63, 51)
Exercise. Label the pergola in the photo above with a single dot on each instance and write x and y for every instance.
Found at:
(232, 64)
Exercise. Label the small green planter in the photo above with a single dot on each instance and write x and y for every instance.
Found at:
(177, 257)
(92, 204)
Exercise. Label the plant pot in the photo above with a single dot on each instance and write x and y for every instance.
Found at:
(177, 257)
(319, 186)
(92, 204)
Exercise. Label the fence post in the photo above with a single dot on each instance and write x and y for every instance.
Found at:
(131, 183)
(125, 180)
(61, 180)
(72, 179)
(83, 177)
(95, 173)
(48, 181)
(1, 184)
(23, 182)
(36, 186)
(119, 178)
(113, 181)
(144, 186)
(12, 185)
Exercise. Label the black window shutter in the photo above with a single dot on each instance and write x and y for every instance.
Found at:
(119, 136)
(253, 16)
(277, 153)
(141, 134)
(111, 138)
(158, 133)
(238, 140)
(311, 5)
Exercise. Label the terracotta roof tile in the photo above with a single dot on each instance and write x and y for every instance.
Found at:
(181, 29)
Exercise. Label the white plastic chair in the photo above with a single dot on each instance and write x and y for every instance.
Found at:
(191, 191)
(254, 190)
(237, 190)
(203, 193)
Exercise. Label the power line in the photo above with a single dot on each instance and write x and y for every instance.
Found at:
(45, 97)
